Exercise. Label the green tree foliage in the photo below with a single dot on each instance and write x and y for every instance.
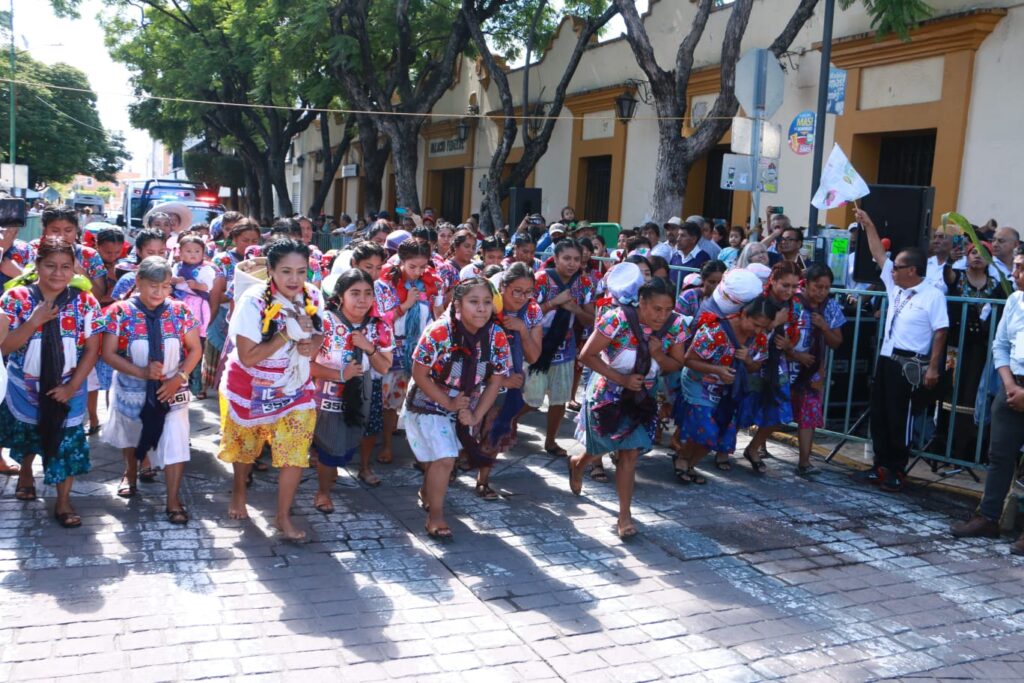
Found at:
(229, 53)
(59, 132)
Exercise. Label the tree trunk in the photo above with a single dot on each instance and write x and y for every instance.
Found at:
(252, 190)
(375, 159)
(332, 160)
(266, 207)
(670, 173)
(491, 218)
(405, 137)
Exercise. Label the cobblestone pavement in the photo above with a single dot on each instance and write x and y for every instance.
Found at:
(747, 578)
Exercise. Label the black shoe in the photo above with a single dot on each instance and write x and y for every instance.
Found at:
(894, 482)
(874, 476)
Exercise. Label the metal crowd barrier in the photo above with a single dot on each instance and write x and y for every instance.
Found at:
(326, 241)
(944, 402)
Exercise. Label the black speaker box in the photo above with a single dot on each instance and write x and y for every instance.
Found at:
(903, 213)
(522, 201)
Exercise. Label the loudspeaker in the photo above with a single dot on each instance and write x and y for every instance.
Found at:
(903, 213)
(522, 201)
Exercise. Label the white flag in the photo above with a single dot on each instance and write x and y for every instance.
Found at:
(840, 182)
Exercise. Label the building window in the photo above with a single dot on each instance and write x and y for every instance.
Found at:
(906, 158)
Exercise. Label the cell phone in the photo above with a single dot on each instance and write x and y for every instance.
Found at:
(776, 210)
(12, 212)
(959, 241)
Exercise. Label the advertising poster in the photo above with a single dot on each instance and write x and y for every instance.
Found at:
(801, 133)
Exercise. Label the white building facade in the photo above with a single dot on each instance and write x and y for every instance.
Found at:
(935, 110)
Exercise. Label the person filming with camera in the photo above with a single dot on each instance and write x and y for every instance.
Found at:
(913, 339)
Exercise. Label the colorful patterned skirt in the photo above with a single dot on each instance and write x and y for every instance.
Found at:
(72, 458)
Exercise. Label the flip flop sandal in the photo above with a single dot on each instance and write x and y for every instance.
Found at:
(807, 470)
(599, 475)
(440, 533)
(422, 501)
(486, 492)
(25, 493)
(573, 406)
(556, 451)
(127, 491)
(629, 532)
(325, 508)
(68, 520)
(723, 465)
(683, 476)
(758, 466)
(373, 481)
(179, 517)
(696, 478)
(93, 431)
(147, 474)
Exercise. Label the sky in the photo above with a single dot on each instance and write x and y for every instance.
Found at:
(80, 42)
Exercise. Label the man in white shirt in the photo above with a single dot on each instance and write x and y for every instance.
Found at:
(1007, 437)
(707, 236)
(941, 247)
(1004, 244)
(914, 336)
(667, 249)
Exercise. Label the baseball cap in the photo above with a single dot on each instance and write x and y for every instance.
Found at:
(675, 220)
(556, 228)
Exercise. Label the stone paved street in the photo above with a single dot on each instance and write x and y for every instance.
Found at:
(743, 579)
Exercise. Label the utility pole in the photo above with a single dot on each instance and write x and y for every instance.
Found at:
(819, 122)
(755, 153)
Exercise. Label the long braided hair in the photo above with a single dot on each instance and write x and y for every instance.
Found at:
(276, 251)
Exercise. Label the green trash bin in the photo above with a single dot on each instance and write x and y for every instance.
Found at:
(609, 232)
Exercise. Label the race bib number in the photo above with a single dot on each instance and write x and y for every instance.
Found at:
(267, 400)
(180, 399)
(329, 397)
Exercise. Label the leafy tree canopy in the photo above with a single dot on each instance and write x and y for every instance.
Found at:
(59, 132)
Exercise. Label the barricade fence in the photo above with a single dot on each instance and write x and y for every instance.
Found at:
(950, 421)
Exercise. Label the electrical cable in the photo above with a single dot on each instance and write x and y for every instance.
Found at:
(320, 110)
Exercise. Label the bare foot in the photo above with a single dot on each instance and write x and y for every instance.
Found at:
(288, 530)
(238, 508)
(626, 528)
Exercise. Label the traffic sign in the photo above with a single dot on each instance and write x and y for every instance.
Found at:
(755, 87)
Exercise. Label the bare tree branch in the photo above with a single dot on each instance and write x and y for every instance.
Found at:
(796, 22)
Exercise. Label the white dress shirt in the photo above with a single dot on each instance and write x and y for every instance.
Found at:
(913, 315)
(935, 273)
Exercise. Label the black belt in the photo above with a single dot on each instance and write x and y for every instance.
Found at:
(909, 354)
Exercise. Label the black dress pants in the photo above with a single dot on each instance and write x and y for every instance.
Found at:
(891, 396)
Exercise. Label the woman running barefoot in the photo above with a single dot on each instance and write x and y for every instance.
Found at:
(267, 386)
(355, 344)
(631, 347)
(521, 319)
(459, 366)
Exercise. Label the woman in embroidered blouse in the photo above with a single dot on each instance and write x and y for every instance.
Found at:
(524, 250)
(565, 294)
(63, 224)
(148, 243)
(521, 318)
(820, 321)
(768, 403)
(459, 367)
(244, 234)
(631, 347)
(463, 247)
(355, 354)
(149, 406)
(267, 391)
(51, 348)
(408, 298)
(709, 403)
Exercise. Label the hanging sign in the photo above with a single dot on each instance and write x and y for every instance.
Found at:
(836, 102)
(801, 133)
